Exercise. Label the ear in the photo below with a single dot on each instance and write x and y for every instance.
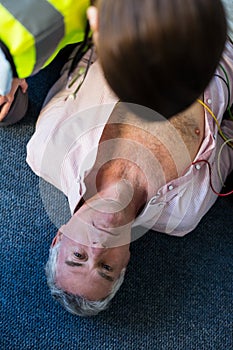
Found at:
(56, 239)
(92, 15)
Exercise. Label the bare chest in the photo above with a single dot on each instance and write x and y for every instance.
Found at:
(160, 150)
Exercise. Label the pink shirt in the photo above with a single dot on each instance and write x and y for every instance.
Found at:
(64, 146)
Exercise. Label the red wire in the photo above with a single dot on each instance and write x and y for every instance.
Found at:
(211, 185)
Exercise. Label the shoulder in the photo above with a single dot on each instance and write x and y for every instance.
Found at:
(218, 94)
(225, 67)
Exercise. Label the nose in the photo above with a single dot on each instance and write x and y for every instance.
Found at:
(98, 244)
(98, 251)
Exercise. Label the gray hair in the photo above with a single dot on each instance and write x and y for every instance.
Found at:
(76, 304)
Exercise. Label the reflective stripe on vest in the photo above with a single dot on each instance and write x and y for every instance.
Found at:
(35, 30)
(74, 13)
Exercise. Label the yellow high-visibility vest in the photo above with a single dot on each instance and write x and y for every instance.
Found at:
(34, 31)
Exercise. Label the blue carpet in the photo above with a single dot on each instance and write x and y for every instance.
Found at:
(178, 293)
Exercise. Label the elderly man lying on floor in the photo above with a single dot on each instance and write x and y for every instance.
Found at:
(125, 169)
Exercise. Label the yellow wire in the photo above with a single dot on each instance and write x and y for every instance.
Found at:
(216, 121)
(227, 140)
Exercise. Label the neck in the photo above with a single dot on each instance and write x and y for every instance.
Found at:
(121, 181)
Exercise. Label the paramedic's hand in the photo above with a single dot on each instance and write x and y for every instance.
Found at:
(6, 101)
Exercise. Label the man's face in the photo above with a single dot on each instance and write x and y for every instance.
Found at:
(94, 248)
(88, 271)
